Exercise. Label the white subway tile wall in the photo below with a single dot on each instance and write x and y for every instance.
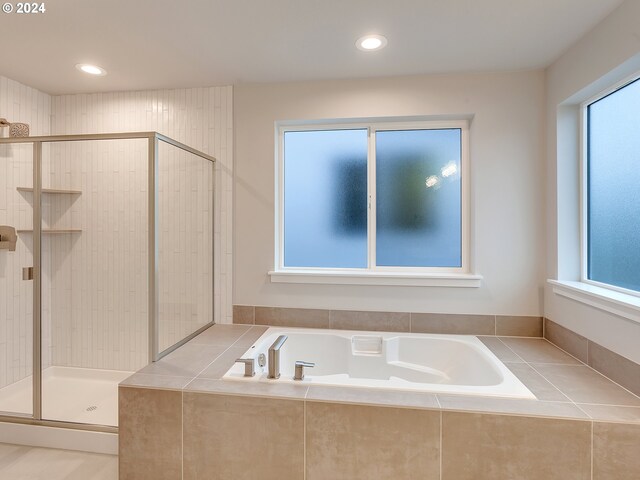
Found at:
(201, 118)
(19, 103)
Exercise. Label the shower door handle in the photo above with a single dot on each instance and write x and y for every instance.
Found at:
(27, 273)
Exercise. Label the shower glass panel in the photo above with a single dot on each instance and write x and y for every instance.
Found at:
(16, 292)
(184, 243)
(94, 274)
(110, 267)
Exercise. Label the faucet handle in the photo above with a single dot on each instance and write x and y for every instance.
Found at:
(300, 365)
(249, 366)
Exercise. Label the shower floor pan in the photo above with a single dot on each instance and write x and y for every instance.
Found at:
(79, 395)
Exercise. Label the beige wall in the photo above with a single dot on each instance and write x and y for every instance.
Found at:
(507, 179)
(607, 54)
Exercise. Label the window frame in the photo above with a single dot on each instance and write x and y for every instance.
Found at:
(584, 185)
(394, 275)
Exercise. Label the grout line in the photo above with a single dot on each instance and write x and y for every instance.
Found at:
(562, 349)
(440, 441)
(304, 436)
(609, 405)
(511, 350)
(591, 450)
(216, 358)
(597, 371)
(554, 386)
(182, 433)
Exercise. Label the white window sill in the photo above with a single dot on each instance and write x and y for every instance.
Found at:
(618, 303)
(336, 277)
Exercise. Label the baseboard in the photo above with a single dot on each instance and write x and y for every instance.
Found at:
(63, 438)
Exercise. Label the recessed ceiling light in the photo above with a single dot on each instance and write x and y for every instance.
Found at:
(371, 43)
(91, 69)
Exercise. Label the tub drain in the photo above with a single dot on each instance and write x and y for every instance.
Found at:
(91, 408)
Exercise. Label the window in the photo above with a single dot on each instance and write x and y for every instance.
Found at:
(373, 197)
(611, 202)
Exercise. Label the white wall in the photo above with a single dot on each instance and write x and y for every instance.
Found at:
(19, 103)
(507, 138)
(608, 53)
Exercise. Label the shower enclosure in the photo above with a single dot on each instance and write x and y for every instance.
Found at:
(106, 264)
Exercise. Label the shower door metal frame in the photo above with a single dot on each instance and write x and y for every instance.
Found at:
(153, 139)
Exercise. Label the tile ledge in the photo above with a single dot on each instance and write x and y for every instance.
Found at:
(617, 303)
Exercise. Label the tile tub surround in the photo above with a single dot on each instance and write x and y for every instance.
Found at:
(348, 433)
(618, 368)
(504, 325)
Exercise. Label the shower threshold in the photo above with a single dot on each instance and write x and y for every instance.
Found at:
(69, 394)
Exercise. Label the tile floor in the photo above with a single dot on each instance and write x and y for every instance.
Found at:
(31, 463)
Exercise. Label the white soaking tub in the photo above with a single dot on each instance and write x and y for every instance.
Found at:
(459, 364)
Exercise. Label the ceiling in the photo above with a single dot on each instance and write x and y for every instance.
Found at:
(148, 44)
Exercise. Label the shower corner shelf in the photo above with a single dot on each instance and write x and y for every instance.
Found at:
(51, 191)
(53, 231)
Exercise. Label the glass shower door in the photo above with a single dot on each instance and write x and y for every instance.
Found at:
(17, 253)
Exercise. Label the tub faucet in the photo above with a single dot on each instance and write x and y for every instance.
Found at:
(274, 357)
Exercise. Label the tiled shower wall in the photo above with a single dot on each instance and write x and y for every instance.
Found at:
(19, 103)
(98, 275)
(99, 315)
(201, 118)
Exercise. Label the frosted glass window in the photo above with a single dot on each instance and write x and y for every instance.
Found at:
(418, 198)
(613, 194)
(325, 199)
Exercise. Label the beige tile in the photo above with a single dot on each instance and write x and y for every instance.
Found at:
(610, 413)
(567, 340)
(269, 389)
(500, 350)
(187, 361)
(372, 396)
(517, 326)
(237, 438)
(538, 350)
(19, 462)
(515, 406)
(353, 442)
(490, 447)
(453, 323)
(292, 317)
(150, 434)
(616, 451)
(582, 385)
(374, 321)
(244, 314)
(250, 338)
(222, 364)
(535, 382)
(220, 335)
(616, 367)
(156, 381)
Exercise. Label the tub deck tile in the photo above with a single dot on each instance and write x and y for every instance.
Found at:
(371, 396)
(500, 350)
(513, 406)
(539, 350)
(558, 380)
(259, 389)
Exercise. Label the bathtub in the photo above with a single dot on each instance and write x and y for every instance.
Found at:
(457, 364)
